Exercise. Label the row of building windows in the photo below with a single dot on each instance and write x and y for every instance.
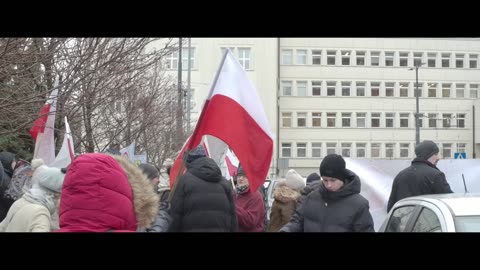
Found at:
(362, 149)
(378, 58)
(243, 55)
(328, 88)
(370, 120)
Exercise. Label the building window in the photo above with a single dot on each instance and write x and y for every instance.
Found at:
(447, 117)
(447, 150)
(375, 89)
(404, 150)
(361, 119)
(331, 89)
(301, 57)
(223, 49)
(346, 89)
(346, 58)
(375, 150)
(287, 57)
(316, 88)
(461, 147)
(389, 120)
(316, 149)
(389, 56)
(346, 119)
(375, 58)
(473, 60)
(473, 90)
(404, 120)
(445, 60)
(360, 58)
(301, 88)
(301, 150)
(287, 88)
(185, 59)
(420, 87)
(286, 150)
(316, 57)
(331, 57)
(375, 119)
(432, 59)
(460, 90)
(316, 119)
(432, 120)
(331, 117)
(403, 59)
(331, 148)
(389, 150)
(389, 89)
(446, 89)
(432, 90)
(417, 59)
(361, 153)
(460, 120)
(360, 89)
(301, 119)
(404, 89)
(346, 149)
(244, 57)
(286, 119)
(459, 60)
(172, 60)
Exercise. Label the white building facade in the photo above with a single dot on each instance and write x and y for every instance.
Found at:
(353, 96)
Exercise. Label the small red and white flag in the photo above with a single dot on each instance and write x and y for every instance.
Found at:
(233, 98)
(42, 130)
(232, 164)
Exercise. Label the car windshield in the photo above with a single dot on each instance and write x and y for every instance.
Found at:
(467, 223)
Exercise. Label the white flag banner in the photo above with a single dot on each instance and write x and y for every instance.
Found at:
(65, 156)
(128, 152)
(377, 179)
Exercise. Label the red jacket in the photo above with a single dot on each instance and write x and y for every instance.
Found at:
(96, 196)
(250, 211)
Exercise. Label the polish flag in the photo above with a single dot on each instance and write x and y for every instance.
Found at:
(234, 114)
(65, 156)
(232, 164)
(42, 130)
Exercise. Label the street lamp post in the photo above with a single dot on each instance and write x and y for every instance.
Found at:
(417, 114)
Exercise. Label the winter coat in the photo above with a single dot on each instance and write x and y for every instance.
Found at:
(250, 211)
(283, 207)
(6, 158)
(422, 177)
(104, 193)
(25, 216)
(203, 200)
(342, 211)
(307, 189)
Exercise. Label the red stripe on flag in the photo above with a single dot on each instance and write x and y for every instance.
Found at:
(39, 124)
(252, 146)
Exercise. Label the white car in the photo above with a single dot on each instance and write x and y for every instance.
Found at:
(455, 212)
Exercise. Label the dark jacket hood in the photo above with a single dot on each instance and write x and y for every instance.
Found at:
(206, 169)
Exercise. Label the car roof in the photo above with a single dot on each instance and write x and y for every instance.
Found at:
(460, 204)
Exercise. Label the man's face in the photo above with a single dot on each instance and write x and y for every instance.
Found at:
(242, 180)
(155, 182)
(332, 184)
(434, 159)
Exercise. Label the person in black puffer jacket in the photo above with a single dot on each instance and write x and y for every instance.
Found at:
(336, 205)
(203, 200)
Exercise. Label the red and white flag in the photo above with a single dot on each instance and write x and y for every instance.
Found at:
(232, 164)
(234, 114)
(65, 156)
(42, 130)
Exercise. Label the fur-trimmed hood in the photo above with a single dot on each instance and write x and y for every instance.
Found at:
(103, 192)
(145, 200)
(284, 193)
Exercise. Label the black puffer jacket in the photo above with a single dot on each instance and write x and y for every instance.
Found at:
(342, 211)
(421, 178)
(203, 200)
